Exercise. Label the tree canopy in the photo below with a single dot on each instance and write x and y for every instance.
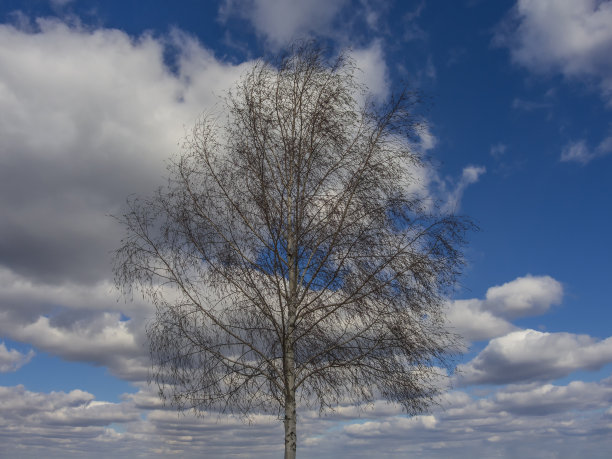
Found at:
(288, 256)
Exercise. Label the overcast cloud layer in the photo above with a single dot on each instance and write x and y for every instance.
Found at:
(89, 115)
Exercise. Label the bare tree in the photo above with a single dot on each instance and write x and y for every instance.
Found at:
(287, 258)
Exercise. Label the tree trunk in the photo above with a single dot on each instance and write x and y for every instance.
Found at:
(289, 364)
(289, 368)
(290, 425)
(290, 409)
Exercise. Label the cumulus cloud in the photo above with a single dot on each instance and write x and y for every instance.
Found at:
(87, 117)
(572, 38)
(473, 322)
(280, 22)
(477, 319)
(99, 339)
(530, 355)
(524, 296)
(11, 359)
(77, 322)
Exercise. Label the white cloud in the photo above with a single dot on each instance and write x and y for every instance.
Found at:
(81, 339)
(469, 319)
(372, 70)
(538, 421)
(87, 117)
(11, 359)
(568, 37)
(530, 355)
(469, 176)
(579, 152)
(571, 37)
(476, 319)
(425, 182)
(524, 296)
(282, 21)
(427, 141)
(498, 150)
(98, 339)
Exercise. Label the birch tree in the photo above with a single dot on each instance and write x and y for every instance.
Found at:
(290, 260)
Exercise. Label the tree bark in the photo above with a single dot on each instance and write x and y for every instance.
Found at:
(290, 417)
(290, 409)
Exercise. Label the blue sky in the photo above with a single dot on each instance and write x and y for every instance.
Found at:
(95, 95)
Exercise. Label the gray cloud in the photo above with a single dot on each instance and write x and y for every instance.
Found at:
(57, 424)
(77, 322)
(546, 399)
(533, 420)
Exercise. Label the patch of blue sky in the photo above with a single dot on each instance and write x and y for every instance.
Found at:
(47, 373)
